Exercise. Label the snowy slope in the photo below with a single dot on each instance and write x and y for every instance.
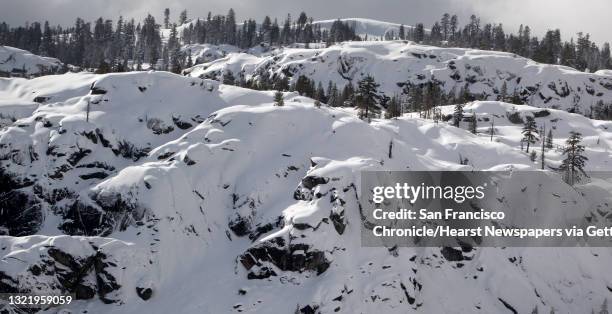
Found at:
(397, 65)
(370, 28)
(22, 63)
(217, 201)
(366, 28)
(202, 53)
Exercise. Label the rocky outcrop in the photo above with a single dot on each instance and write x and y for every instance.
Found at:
(261, 259)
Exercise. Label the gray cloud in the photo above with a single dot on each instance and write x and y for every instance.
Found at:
(569, 15)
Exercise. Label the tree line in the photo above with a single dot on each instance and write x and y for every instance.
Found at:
(582, 54)
(126, 45)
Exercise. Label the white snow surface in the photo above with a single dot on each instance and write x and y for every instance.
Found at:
(366, 28)
(397, 65)
(18, 62)
(206, 155)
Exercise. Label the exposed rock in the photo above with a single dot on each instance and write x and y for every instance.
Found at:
(286, 257)
(144, 293)
(451, 254)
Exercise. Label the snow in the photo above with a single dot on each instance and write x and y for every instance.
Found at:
(207, 157)
(366, 28)
(202, 53)
(398, 64)
(22, 63)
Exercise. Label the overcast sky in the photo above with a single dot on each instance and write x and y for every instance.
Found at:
(571, 16)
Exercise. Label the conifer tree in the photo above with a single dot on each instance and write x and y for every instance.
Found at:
(366, 96)
(574, 162)
(458, 115)
(166, 18)
(549, 139)
(402, 32)
(320, 93)
(393, 108)
(279, 100)
(474, 123)
(183, 17)
(530, 130)
(503, 94)
(542, 152)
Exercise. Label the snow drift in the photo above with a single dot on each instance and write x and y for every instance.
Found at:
(216, 200)
(400, 65)
(22, 63)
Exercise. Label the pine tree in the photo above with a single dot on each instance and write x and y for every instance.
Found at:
(333, 98)
(393, 108)
(542, 151)
(419, 35)
(173, 51)
(549, 139)
(230, 27)
(320, 93)
(454, 26)
(279, 99)
(474, 124)
(402, 32)
(366, 96)
(458, 115)
(445, 24)
(573, 164)
(183, 17)
(503, 94)
(167, 18)
(530, 130)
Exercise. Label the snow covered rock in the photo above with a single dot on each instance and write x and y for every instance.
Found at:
(21, 63)
(399, 65)
(366, 28)
(220, 201)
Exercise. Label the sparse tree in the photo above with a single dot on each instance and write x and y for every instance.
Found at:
(458, 115)
(549, 139)
(366, 96)
(503, 94)
(574, 162)
(167, 18)
(393, 108)
(474, 123)
(279, 99)
(183, 17)
(530, 130)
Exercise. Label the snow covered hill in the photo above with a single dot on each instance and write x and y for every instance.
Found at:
(21, 63)
(158, 193)
(366, 28)
(398, 65)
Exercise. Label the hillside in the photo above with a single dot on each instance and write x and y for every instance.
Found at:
(399, 65)
(366, 28)
(21, 63)
(222, 202)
